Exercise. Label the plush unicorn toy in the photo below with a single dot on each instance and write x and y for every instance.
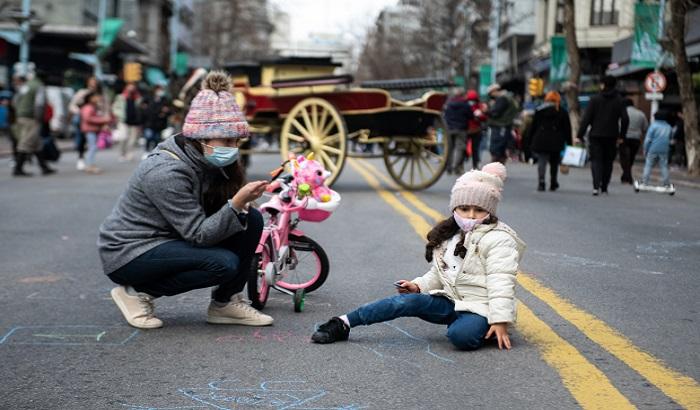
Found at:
(308, 171)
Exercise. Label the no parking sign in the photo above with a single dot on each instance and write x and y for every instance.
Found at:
(655, 82)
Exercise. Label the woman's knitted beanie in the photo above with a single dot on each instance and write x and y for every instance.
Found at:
(479, 188)
(214, 112)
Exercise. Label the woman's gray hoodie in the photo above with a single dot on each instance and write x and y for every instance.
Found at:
(161, 203)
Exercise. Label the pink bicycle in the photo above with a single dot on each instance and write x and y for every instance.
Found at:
(286, 259)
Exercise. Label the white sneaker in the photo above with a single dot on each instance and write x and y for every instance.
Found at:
(137, 309)
(237, 312)
(80, 165)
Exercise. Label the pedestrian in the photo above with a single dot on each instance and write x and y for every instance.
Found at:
(630, 146)
(127, 109)
(156, 118)
(501, 114)
(458, 112)
(475, 126)
(93, 119)
(6, 120)
(549, 134)
(471, 284)
(92, 86)
(657, 144)
(29, 104)
(184, 221)
(607, 117)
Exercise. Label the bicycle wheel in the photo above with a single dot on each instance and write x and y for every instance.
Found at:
(258, 289)
(308, 267)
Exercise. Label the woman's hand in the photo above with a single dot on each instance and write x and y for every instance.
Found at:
(501, 331)
(407, 287)
(248, 193)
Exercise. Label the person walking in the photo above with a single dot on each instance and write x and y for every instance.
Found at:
(657, 144)
(127, 110)
(549, 134)
(29, 103)
(501, 114)
(184, 221)
(156, 118)
(92, 86)
(458, 112)
(608, 121)
(92, 120)
(470, 286)
(475, 126)
(630, 146)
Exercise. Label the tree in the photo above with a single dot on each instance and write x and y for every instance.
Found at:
(679, 10)
(574, 65)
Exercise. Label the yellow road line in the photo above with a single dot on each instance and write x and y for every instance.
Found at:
(682, 389)
(586, 383)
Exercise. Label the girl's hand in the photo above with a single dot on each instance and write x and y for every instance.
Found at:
(248, 193)
(501, 331)
(408, 287)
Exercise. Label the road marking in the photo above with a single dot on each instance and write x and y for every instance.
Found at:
(576, 372)
(681, 388)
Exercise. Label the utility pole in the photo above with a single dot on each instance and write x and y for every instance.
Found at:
(24, 29)
(174, 31)
(495, 34)
(469, 21)
(660, 57)
(101, 16)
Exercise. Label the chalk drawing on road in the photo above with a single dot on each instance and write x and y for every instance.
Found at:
(273, 394)
(68, 335)
(578, 262)
(663, 249)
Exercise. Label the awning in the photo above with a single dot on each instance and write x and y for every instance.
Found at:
(89, 59)
(155, 76)
(11, 36)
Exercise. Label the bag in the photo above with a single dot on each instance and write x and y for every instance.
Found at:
(104, 140)
(574, 156)
(49, 150)
(564, 169)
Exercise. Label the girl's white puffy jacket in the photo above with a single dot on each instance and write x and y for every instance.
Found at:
(485, 284)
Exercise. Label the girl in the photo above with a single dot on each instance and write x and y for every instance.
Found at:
(183, 222)
(470, 286)
(92, 120)
(549, 132)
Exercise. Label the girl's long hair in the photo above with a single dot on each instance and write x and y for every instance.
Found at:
(445, 230)
(220, 189)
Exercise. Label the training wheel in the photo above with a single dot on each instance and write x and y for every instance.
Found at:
(299, 300)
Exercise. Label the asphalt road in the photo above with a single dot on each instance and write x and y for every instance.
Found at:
(628, 261)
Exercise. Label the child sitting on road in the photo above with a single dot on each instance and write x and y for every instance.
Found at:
(657, 144)
(471, 284)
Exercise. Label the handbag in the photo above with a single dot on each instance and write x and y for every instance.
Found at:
(574, 156)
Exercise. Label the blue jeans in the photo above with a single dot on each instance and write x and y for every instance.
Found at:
(92, 148)
(652, 159)
(500, 138)
(465, 330)
(177, 266)
(152, 138)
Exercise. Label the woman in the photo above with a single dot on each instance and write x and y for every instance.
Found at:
(549, 132)
(183, 222)
(92, 120)
(127, 108)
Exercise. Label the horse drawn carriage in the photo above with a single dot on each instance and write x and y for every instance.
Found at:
(314, 111)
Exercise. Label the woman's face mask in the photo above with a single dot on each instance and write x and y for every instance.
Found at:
(221, 156)
(468, 224)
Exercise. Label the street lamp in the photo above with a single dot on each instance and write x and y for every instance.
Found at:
(29, 24)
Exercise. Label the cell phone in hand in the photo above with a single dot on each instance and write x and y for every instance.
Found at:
(398, 284)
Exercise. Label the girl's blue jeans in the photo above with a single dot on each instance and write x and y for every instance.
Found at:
(92, 148)
(651, 160)
(177, 266)
(465, 330)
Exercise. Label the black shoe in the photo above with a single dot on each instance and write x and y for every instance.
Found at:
(20, 173)
(540, 187)
(596, 192)
(332, 331)
(604, 191)
(554, 186)
(48, 171)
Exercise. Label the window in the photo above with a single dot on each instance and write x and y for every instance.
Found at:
(603, 13)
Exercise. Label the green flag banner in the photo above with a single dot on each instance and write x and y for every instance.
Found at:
(108, 32)
(484, 79)
(559, 61)
(646, 48)
(181, 62)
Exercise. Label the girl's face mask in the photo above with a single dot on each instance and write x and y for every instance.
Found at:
(468, 224)
(221, 156)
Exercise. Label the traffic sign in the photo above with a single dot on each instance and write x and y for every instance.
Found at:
(654, 96)
(655, 82)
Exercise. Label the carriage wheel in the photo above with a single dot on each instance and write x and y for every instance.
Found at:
(417, 162)
(314, 125)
